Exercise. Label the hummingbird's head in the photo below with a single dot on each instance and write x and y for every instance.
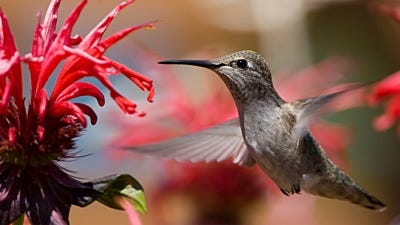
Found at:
(243, 67)
(245, 73)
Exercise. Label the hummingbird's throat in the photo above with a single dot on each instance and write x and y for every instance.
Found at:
(246, 92)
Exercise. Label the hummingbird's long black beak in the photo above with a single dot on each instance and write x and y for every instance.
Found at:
(201, 63)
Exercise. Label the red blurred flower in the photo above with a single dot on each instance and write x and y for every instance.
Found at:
(220, 191)
(387, 9)
(36, 135)
(387, 89)
(174, 113)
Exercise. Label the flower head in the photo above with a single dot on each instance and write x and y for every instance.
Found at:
(35, 135)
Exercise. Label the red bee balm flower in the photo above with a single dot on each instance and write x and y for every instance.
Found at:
(388, 88)
(35, 138)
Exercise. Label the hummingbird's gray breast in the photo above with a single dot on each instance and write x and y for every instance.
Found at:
(268, 133)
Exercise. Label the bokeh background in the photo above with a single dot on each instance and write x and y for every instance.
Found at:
(292, 35)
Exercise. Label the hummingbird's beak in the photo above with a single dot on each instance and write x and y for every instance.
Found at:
(201, 63)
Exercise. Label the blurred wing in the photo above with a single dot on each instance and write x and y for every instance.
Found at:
(213, 144)
(309, 108)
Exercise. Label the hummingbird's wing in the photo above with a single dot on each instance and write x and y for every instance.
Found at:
(216, 143)
(309, 108)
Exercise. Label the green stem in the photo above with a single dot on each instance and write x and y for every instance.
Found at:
(20, 220)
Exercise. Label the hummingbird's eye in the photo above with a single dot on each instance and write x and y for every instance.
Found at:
(241, 63)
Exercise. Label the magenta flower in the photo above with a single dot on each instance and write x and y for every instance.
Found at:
(37, 134)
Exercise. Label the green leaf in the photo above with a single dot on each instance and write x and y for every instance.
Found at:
(124, 186)
(20, 220)
(137, 196)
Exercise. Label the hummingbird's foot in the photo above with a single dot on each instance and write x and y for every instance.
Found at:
(284, 192)
(295, 190)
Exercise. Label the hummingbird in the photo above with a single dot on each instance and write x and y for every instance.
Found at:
(269, 132)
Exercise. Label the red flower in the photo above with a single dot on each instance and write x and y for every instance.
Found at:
(388, 88)
(35, 138)
(219, 191)
(387, 9)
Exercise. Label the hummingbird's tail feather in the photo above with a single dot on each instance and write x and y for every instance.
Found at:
(373, 203)
(342, 187)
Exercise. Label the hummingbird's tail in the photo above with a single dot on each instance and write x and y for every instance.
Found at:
(340, 186)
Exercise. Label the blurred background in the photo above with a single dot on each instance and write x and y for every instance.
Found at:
(311, 45)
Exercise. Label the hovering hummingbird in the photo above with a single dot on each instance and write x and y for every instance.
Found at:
(269, 131)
